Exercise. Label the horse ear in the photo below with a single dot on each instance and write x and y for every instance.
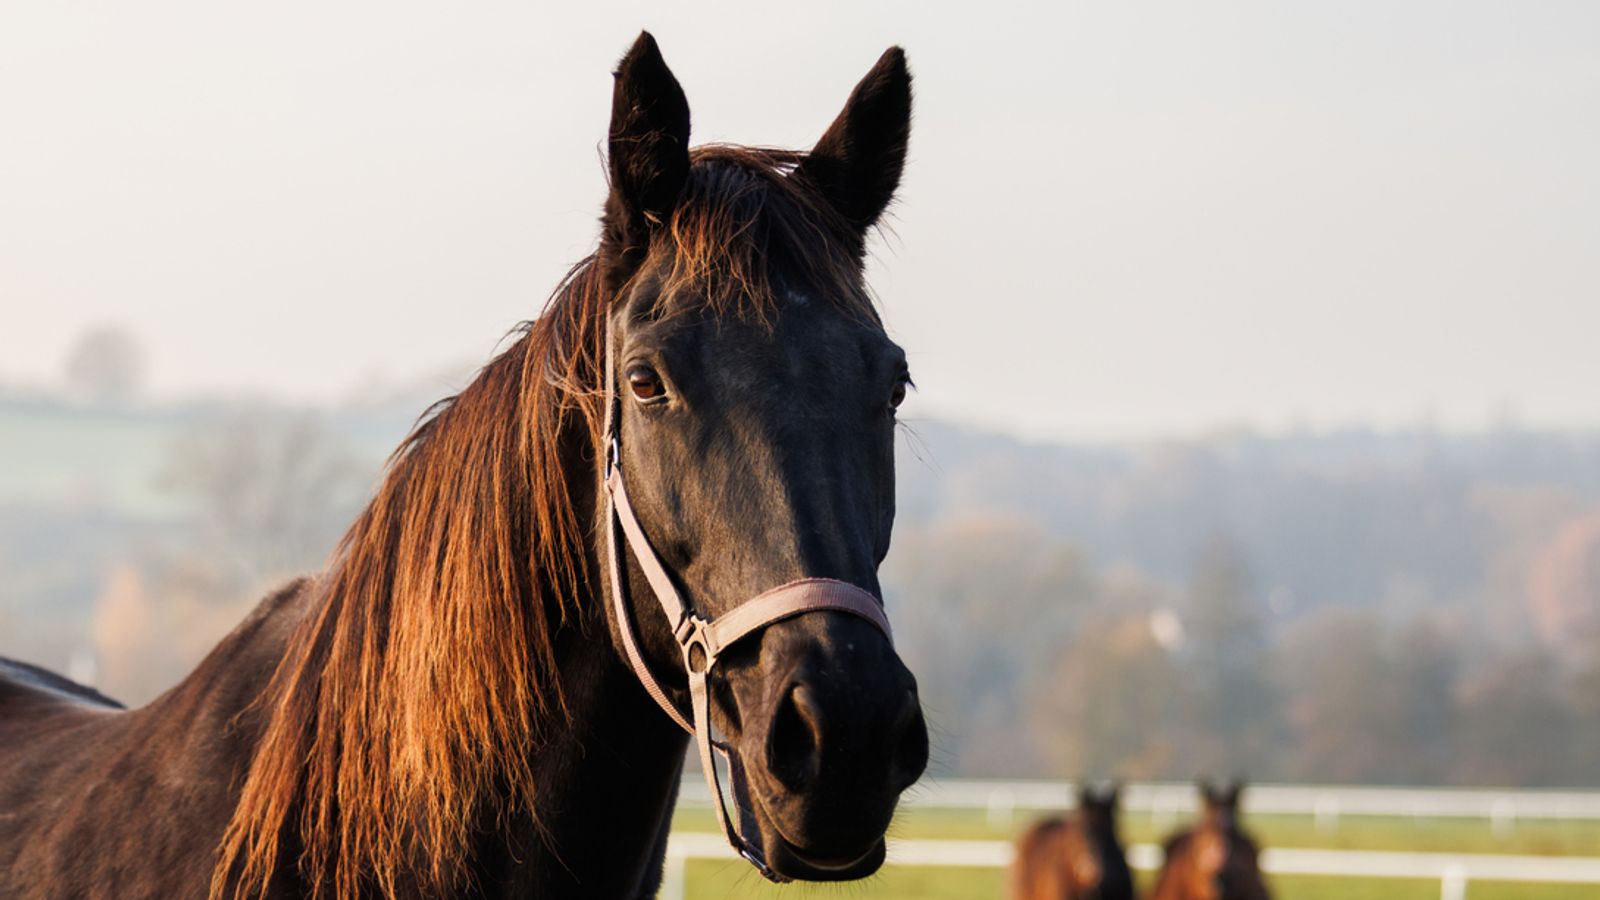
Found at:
(648, 155)
(1234, 790)
(856, 165)
(1111, 794)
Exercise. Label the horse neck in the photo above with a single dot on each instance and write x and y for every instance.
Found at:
(607, 762)
(607, 780)
(606, 785)
(450, 709)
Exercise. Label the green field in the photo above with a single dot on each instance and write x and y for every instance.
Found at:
(708, 879)
(717, 880)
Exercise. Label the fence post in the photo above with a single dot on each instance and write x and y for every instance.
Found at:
(1453, 886)
(1326, 812)
(1163, 810)
(673, 876)
(1002, 803)
(1503, 817)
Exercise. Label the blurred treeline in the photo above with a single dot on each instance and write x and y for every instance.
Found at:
(1350, 607)
(1414, 609)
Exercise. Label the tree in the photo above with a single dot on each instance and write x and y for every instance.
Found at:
(977, 602)
(105, 366)
(273, 493)
(1517, 727)
(1230, 721)
(1563, 588)
(1108, 703)
(1366, 705)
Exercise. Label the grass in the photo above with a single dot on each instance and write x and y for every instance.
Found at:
(1535, 837)
(708, 879)
(726, 880)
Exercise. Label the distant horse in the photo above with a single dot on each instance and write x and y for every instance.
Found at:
(1214, 860)
(481, 696)
(1074, 858)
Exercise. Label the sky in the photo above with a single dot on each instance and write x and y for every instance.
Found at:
(1118, 221)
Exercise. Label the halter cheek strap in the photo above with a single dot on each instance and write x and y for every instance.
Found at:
(702, 640)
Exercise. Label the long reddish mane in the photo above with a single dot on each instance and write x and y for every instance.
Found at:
(413, 698)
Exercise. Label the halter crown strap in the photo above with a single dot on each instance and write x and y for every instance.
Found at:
(710, 636)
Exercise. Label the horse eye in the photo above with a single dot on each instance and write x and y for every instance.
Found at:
(898, 395)
(645, 383)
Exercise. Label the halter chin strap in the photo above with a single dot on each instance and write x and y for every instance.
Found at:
(702, 640)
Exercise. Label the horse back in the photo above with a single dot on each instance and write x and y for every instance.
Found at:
(27, 690)
(99, 801)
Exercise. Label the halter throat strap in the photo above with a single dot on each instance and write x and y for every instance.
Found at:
(701, 640)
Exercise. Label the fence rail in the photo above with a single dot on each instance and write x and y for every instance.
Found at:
(1324, 802)
(1452, 870)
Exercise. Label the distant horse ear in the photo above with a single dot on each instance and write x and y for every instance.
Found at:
(648, 153)
(1086, 793)
(856, 165)
(1233, 792)
(1111, 793)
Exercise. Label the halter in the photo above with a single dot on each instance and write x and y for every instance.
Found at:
(700, 639)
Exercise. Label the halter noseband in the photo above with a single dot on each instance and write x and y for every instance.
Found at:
(707, 636)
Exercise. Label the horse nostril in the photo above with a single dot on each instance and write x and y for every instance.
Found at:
(794, 741)
(910, 743)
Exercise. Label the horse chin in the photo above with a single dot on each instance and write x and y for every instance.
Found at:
(794, 862)
(800, 860)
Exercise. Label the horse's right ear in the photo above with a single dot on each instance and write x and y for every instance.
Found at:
(648, 155)
(1111, 793)
(1233, 791)
(1086, 793)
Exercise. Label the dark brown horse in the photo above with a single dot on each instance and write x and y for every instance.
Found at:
(1216, 859)
(448, 710)
(1078, 857)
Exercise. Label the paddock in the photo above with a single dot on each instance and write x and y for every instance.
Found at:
(1343, 836)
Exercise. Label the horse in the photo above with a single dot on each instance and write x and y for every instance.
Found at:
(480, 695)
(1074, 858)
(1216, 859)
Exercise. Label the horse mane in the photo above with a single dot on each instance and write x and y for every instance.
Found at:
(410, 701)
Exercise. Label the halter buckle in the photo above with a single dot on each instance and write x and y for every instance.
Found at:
(754, 859)
(691, 632)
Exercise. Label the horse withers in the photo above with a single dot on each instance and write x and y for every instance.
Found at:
(481, 694)
(1076, 857)
(1215, 859)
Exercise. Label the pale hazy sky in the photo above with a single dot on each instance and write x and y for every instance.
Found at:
(1119, 220)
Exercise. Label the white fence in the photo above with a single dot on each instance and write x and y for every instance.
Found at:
(1326, 803)
(1167, 802)
(1452, 870)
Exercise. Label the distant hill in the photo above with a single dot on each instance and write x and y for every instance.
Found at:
(1399, 522)
(1148, 609)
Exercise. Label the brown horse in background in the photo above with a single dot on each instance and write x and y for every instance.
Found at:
(1216, 859)
(1079, 856)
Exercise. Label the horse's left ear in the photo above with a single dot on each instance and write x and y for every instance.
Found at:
(856, 165)
(648, 154)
